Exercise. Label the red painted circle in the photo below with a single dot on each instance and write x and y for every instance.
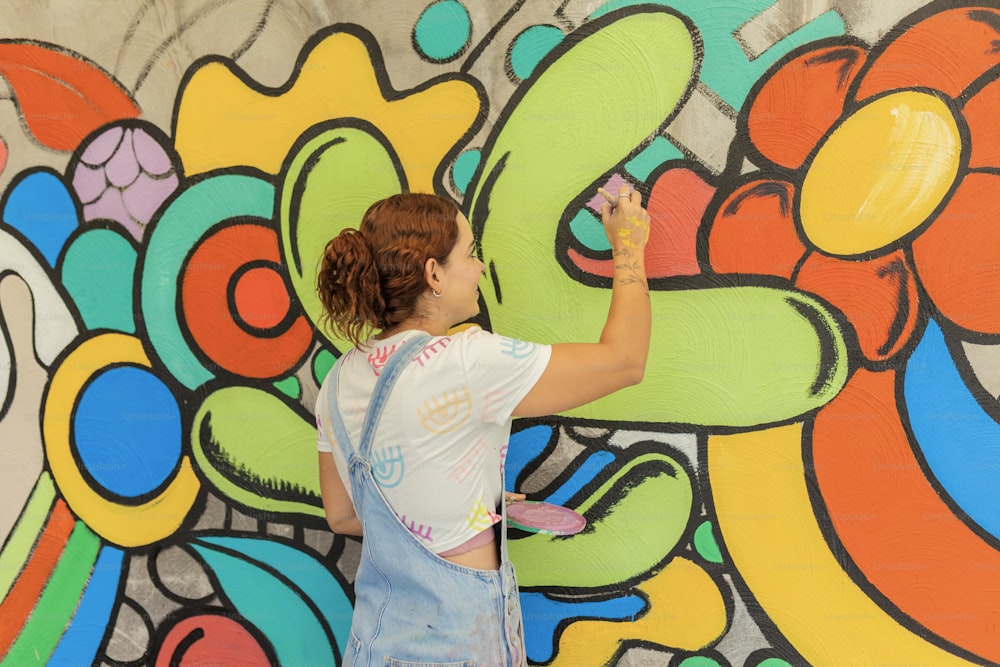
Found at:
(261, 298)
(211, 639)
(213, 269)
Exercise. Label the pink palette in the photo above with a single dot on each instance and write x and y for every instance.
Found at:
(540, 517)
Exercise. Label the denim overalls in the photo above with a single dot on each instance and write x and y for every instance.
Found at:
(412, 607)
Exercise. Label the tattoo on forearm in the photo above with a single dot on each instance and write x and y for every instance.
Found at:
(625, 260)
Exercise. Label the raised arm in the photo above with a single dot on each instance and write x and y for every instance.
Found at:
(578, 373)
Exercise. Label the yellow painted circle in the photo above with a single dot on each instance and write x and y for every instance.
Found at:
(124, 525)
(881, 173)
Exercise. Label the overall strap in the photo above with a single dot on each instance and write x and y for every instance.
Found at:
(387, 378)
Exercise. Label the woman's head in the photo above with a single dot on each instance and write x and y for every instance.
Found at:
(375, 276)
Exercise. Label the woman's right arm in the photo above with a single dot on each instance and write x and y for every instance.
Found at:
(578, 373)
(337, 503)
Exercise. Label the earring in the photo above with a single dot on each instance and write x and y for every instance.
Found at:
(436, 293)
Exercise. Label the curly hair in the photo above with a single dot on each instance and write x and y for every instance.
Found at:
(370, 277)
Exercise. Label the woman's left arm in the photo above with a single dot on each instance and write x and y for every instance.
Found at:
(337, 504)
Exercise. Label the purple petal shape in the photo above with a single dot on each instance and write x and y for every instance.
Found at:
(122, 169)
(89, 182)
(102, 147)
(146, 195)
(151, 155)
(109, 207)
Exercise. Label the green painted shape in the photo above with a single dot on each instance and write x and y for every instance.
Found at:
(98, 270)
(650, 517)
(267, 600)
(773, 662)
(705, 543)
(321, 194)
(19, 545)
(59, 600)
(255, 450)
(290, 387)
(699, 661)
(187, 218)
(719, 357)
(322, 363)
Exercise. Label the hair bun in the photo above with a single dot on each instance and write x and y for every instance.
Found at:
(348, 284)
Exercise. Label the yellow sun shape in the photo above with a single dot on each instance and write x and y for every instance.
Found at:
(224, 119)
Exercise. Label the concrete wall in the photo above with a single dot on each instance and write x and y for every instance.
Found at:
(806, 474)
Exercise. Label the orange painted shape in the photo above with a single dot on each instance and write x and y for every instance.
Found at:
(958, 256)
(676, 205)
(261, 298)
(21, 599)
(899, 533)
(801, 101)
(753, 231)
(62, 97)
(879, 297)
(984, 127)
(946, 51)
(205, 305)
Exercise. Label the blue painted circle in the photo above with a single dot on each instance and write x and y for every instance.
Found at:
(443, 30)
(463, 169)
(127, 431)
(531, 46)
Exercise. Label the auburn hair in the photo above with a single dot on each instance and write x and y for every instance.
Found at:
(370, 277)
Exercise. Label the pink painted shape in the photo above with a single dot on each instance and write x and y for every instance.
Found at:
(614, 182)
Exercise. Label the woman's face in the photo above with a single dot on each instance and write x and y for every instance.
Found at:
(460, 276)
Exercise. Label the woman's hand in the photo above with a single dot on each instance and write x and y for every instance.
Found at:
(625, 221)
(509, 497)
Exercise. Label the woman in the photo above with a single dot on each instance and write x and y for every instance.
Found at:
(414, 423)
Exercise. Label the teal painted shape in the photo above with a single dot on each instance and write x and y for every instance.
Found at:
(589, 231)
(463, 169)
(658, 151)
(443, 30)
(725, 68)
(281, 590)
(98, 270)
(192, 214)
(531, 46)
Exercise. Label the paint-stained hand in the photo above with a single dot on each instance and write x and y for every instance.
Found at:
(626, 222)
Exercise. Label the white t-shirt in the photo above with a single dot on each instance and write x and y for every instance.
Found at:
(442, 440)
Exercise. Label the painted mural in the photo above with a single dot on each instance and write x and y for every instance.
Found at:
(806, 476)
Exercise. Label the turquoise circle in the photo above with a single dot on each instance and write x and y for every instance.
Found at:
(463, 169)
(443, 30)
(531, 46)
(127, 431)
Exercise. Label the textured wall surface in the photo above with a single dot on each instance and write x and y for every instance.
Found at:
(806, 476)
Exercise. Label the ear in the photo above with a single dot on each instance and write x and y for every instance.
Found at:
(432, 273)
